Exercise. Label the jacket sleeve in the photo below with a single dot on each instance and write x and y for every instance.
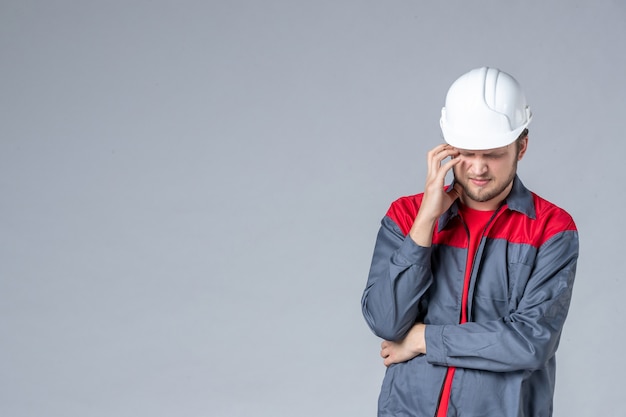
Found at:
(399, 276)
(528, 337)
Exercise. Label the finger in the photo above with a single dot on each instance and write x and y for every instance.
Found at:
(458, 189)
(445, 168)
(384, 349)
(455, 192)
(438, 149)
(433, 153)
(445, 153)
(437, 159)
(449, 164)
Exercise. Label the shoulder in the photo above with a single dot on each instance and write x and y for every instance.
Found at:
(551, 216)
(549, 221)
(403, 211)
(533, 223)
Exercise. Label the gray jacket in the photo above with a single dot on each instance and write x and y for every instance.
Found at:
(519, 295)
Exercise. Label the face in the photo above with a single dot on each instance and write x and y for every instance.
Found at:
(487, 176)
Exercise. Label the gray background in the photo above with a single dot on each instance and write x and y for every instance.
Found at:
(191, 192)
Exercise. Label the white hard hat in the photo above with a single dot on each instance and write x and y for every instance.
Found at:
(485, 109)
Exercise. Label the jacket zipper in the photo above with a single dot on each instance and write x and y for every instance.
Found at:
(478, 250)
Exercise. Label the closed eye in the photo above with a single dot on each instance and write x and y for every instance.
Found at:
(485, 155)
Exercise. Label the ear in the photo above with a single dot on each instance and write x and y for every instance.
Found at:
(523, 146)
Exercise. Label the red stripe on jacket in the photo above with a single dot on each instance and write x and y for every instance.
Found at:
(511, 225)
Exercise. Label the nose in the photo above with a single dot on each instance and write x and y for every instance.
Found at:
(478, 166)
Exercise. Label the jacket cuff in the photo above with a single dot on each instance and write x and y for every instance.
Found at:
(410, 253)
(435, 348)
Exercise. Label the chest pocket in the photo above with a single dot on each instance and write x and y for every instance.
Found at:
(500, 279)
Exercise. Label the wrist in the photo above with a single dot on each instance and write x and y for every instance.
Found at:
(422, 347)
(422, 230)
(421, 341)
(416, 339)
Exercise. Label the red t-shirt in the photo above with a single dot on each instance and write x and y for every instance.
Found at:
(476, 222)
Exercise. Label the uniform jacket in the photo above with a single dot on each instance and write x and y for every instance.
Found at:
(519, 295)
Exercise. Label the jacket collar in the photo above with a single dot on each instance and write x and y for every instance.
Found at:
(520, 199)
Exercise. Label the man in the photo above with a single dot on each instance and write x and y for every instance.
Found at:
(470, 284)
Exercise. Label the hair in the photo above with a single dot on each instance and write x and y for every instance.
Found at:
(518, 141)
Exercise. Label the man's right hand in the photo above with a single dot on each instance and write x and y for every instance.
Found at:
(436, 200)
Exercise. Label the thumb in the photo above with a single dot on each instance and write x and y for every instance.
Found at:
(456, 191)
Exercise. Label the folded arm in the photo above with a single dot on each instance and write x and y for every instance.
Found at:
(525, 339)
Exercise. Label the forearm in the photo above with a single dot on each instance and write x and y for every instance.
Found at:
(526, 339)
(422, 230)
(401, 273)
(529, 335)
(495, 346)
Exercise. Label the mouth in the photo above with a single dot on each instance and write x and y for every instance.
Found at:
(479, 182)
